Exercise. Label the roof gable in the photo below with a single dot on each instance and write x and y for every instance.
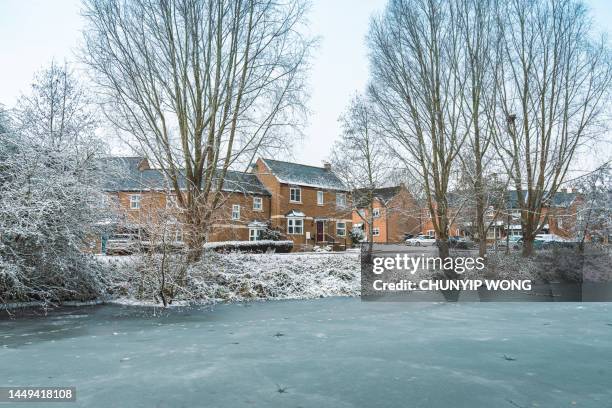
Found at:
(304, 175)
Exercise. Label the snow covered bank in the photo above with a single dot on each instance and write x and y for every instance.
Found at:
(236, 277)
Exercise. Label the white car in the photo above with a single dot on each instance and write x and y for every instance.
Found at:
(549, 238)
(421, 240)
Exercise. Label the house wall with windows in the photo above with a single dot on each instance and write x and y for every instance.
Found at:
(396, 214)
(309, 205)
(312, 211)
(241, 217)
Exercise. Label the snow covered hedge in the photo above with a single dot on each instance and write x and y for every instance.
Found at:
(251, 246)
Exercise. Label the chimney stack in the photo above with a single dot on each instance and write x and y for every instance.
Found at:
(327, 166)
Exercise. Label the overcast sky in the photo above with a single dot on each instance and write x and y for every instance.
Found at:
(32, 32)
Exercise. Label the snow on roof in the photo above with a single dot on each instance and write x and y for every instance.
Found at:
(123, 174)
(303, 175)
(295, 213)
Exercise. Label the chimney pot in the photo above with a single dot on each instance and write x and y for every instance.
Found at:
(327, 166)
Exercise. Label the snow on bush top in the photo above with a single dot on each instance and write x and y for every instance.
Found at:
(246, 244)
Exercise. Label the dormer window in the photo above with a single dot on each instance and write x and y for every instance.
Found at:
(295, 195)
(376, 212)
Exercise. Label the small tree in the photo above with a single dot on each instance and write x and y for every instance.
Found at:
(51, 200)
(361, 160)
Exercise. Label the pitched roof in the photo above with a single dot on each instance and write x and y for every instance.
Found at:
(303, 175)
(123, 174)
(559, 199)
(384, 194)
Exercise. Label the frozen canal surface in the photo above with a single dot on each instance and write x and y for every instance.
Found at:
(337, 352)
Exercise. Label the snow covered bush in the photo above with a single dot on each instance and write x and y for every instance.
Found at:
(251, 246)
(235, 277)
(50, 200)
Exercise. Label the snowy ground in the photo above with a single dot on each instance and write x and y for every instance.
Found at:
(336, 352)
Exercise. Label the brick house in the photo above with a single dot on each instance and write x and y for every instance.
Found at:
(142, 198)
(309, 205)
(396, 213)
(560, 216)
(303, 203)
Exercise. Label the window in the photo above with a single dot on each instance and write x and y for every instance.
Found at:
(257, 203)
(255, 234)
(295, 195)
(134, 201)
(375, 232)
(340, 200)
(320, 198)
(431, 233)
(492, 233)
(376, 212)
(235, 212)
(295, 226)
(341, 229)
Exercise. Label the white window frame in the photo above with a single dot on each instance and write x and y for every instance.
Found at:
(257, 204)
(320, 197)
(431, 233)
(376, 232)
(255, 234)
(341, 200)
(493, 233)
(293, 224)
(298, 194)
(235, 212)
(135, 201)
(376, 212)
(341, 231)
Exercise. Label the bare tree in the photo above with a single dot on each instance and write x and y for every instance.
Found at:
(413, 54)
(553, 89)
(200, 85)
(361, 159)
(477, 62)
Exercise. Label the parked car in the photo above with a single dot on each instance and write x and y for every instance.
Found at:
(122, 244)
(515, 242)
(459, 242)
(544, 241)
(408, 236)
(421, 240)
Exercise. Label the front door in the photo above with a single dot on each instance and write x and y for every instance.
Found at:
(320, 235)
